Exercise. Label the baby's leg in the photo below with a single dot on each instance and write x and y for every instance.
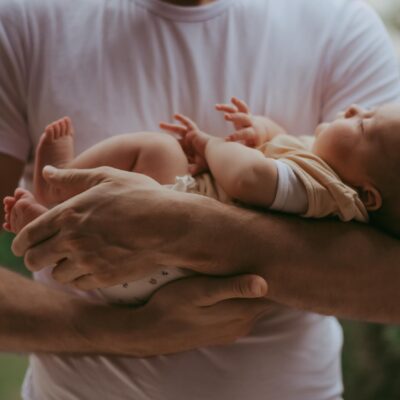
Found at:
(56, 147)
(157, 155)
(21, 209)
(154, 154)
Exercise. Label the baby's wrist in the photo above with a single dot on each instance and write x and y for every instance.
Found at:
(212, 141)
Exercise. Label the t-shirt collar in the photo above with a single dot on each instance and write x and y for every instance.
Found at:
(186, 13)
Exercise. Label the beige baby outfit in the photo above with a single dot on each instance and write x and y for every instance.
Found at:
(326, 194)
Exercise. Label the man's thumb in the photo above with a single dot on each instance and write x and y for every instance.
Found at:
(236, 287)
(73, 181)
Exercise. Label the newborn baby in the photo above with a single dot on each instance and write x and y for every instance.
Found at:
(348, 169)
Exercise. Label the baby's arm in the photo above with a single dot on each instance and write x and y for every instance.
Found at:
(245, 174)
(251, 130)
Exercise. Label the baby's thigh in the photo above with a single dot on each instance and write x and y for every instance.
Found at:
(161, 157)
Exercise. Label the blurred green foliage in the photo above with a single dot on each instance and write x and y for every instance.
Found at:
(371, 356)
(371, 361)
(7, 259)
(12, 369)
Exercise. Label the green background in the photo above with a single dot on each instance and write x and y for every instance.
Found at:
(371, 357)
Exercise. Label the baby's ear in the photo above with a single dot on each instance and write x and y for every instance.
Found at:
(371, 197)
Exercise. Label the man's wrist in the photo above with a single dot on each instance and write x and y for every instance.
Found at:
(111, 329)
(209, 225)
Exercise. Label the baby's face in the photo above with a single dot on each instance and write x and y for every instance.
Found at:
(358, 140)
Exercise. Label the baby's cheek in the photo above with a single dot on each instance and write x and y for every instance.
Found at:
(331, 149)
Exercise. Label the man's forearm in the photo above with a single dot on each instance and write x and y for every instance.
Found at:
(37, 318)
(190, 313)
(342, 269)
(345, 269)
(330, 267)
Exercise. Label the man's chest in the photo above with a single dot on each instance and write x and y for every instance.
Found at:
(130, 83)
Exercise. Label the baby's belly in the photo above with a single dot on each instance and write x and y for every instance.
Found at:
(140, 291)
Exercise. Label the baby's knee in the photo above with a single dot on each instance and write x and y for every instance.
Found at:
(163, 145)
(162, 158)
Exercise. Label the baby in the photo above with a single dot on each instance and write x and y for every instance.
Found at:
(349, 169)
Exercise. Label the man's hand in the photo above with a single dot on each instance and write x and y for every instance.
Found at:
(250, 130)
(123, 228)
(191, 313)
(193, 142)
(90, 238)
(182, 315)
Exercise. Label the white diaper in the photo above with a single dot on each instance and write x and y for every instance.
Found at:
(138, 292)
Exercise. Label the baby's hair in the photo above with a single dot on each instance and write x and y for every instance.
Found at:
(387, 217)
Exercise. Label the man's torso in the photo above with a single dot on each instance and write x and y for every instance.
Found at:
(123, 66)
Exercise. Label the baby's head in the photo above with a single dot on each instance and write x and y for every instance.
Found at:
(363, 148)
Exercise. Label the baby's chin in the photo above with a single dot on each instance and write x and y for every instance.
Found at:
(320, 128)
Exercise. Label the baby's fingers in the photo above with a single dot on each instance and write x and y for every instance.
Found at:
(246, 136)
(228, 108)
(197, 167)
(240, 105)
(241, 120)
(173, 128)
(189, 124)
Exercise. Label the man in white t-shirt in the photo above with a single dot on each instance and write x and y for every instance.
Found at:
(118, 66)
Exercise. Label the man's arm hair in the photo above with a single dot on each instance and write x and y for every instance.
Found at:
(37, 318)
(345, 269)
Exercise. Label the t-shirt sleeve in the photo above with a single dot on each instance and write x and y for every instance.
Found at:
(360, 65)
(291, 195)
(14, 133)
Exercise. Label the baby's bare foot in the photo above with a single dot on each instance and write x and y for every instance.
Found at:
(20, 210)
(56, 148)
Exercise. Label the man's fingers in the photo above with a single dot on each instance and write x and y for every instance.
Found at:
(251, 309)
(66, 271)
(36, 231)
(75, 180)
(241, 105)
(215, 290)
(88, 282)
(43, 254)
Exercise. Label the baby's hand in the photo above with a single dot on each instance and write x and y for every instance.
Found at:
(250, 130)
(192, 140)
(238, 113)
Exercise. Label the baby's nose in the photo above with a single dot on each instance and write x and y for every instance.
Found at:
(353, 110)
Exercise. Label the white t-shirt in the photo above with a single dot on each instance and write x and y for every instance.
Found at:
(124, 65)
